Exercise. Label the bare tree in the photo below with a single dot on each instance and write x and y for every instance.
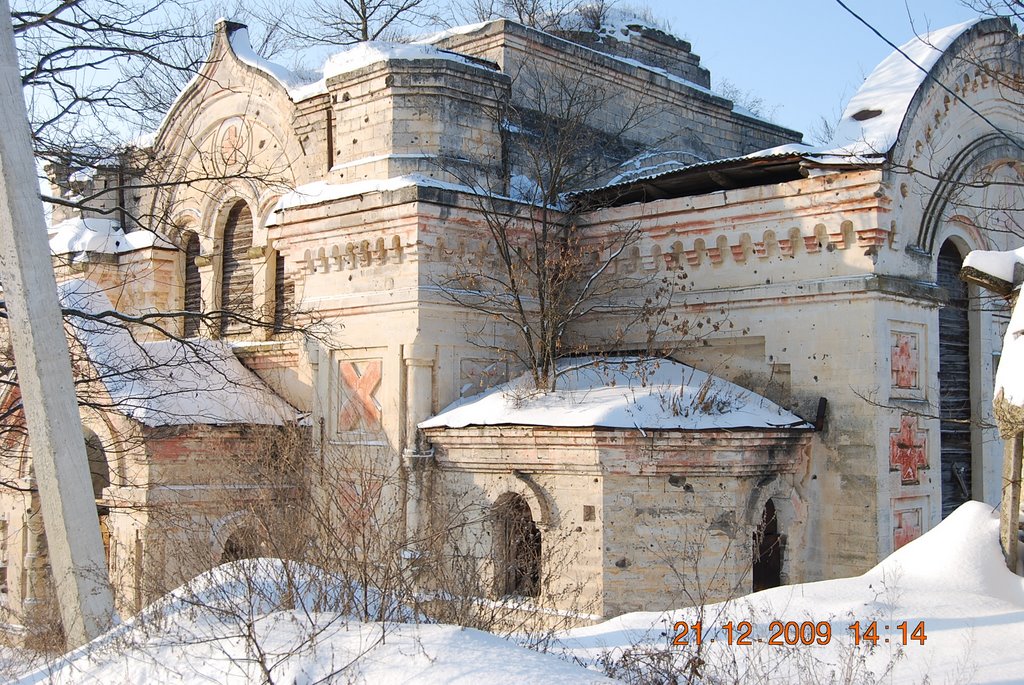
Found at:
(151, 85)
(77, 58)
(542, 272)
(346, 22)
(540, 14)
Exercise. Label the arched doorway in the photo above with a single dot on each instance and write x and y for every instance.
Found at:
(767, 569)
(241, 544)
(518, 548)
(99, 473)
(954, 381)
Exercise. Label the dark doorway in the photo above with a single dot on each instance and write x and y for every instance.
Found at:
(954, 382)
(767, 550)
(240, 545)
(517, 547)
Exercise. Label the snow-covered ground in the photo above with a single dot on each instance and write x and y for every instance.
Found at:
(951, 582)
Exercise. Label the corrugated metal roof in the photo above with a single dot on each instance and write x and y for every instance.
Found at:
(721, 174)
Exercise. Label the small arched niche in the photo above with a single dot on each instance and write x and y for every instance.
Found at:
(517, 548)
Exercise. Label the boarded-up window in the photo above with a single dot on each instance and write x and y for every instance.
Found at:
(193, 286)
(236, 270)
(954, 382)
(284, 294)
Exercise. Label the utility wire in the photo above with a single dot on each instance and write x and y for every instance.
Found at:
(928, 75)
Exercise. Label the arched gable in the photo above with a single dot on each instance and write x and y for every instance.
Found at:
(958, 136)
(232, 72)
(233, 129)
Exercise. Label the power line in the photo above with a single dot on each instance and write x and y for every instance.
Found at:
(928, 75)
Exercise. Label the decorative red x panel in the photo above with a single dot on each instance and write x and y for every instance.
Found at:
(907, 450)
(360, 409)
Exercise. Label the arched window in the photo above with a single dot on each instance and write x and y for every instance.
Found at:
(767, 550)
(284, 294)
(193, 285)
(954, 381)
(99, 469)
(236, 270)
(517, 543)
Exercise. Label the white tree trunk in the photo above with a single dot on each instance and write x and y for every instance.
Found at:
(61, 467)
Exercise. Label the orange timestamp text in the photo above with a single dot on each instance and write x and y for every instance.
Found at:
(790, 633)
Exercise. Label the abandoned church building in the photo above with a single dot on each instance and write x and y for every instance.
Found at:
(770, 371)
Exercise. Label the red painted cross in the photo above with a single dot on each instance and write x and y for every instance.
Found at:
(359, 409)
(908, 527)
(907, 450)
(904, 361)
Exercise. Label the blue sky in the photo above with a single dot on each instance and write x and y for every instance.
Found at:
(805, 58)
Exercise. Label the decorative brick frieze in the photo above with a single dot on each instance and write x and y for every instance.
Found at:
(742, 248)
(867, 237)
(354, 255)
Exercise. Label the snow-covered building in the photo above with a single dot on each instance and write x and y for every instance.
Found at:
(343, 199)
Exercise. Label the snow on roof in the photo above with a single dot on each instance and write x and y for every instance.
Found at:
(873, 117)
(303, 86)
(996, 263)
(1009, 380)
(371, 52)
(169, 382)
(318, 192)
(871, 121)
(454, 31)
(621, 392)
(293, 82)
(99, 235)
(952, 579)
(620, 23)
